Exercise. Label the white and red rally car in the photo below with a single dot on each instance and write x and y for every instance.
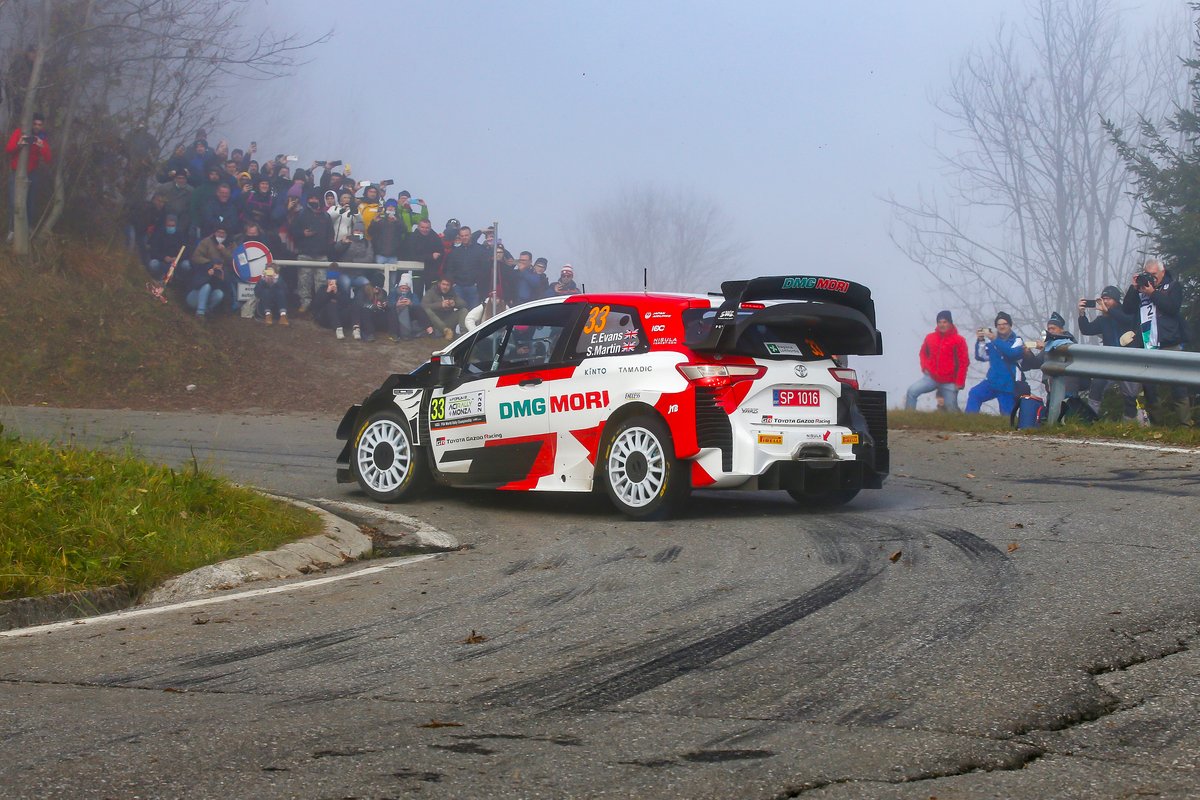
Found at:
(649, 395)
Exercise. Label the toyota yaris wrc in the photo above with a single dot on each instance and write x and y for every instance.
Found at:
(647, 395)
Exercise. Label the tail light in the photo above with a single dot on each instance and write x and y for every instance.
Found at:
(719, 376)
(846, 376)
(753, 306)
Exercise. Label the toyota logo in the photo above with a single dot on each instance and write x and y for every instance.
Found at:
(801, 371)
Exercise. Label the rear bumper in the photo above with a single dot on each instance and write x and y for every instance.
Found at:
(817, 476)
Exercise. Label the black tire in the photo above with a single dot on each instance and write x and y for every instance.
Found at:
(385, 462)
(824, 500)
(640, 472)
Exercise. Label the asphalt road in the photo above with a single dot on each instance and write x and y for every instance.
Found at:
(1007, 618)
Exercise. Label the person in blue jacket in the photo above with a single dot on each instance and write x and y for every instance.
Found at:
(1002, 349)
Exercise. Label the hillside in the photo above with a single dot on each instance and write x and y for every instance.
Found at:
(89, 335)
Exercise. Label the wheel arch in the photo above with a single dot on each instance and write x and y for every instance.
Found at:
(632, 409)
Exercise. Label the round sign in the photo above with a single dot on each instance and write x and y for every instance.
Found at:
(249, 261)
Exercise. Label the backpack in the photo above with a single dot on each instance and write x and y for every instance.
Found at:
(1028, 412)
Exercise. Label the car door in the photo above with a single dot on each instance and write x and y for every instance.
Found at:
(491, 427)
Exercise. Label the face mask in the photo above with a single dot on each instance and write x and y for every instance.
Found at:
(220, 239)
(170, 229)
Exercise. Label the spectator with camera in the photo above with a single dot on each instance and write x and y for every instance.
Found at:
(271, 294)
(445, 307)
(1002, 350)
(39, 155)
(209, 283)
(1156, 297)
(1115, 327)
(566, 281)
(386, 233)
(312, 236)
(410, 217)
(944, 362)
(257, 204)
(468, 267)
(333, 308)
(407, 319)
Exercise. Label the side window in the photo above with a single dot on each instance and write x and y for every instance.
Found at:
(527, 339)
(610, 331)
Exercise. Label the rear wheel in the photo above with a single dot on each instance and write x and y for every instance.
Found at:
(386, 464)
(641, 474)
(822, 500)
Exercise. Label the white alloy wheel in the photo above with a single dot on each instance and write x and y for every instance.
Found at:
(637, 467)
(384, 457)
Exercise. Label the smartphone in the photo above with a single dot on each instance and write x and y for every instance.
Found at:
(1089, 303)
(254, 145)
(388, 182)
(337, 163)
(293, 158)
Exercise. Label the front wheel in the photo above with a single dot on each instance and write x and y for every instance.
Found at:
(386, 464)
(824, 500)
(641, 474)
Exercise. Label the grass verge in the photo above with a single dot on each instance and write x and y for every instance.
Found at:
(992, 423)
(78, 519)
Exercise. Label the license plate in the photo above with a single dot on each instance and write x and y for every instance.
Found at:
(797, 397)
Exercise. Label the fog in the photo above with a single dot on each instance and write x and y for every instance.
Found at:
(795, 117)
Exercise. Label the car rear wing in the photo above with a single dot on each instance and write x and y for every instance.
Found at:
(841, 311)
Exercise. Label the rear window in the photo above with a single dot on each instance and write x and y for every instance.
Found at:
(760, 340)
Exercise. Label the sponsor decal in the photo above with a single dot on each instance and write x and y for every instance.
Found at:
(849, 438)
(658, 315)
(672, 408)
(825, 436)
(828, 284)
(457, 410)
(747, 410)
(657, 328)
(529, 407)
(441, 440)
(579, 401)
(596, 371)
(801, 371)
(767, 418)
(666, 340)
(796, 397)
(633, 395)
(477, 437)
(770, 438)
(727, 315)
(641, 368)
(782, 348)
(404, 394)
(811, 436)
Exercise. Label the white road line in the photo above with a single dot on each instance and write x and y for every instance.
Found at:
(1099, 442)
(118, 616)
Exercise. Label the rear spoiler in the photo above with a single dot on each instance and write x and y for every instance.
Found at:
(841, 308)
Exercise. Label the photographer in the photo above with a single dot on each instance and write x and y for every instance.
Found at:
(1156, 298)
(1002, 349)
(943, 357)
(39, 154)
(1111, 324)
(208, 273)
(445, 308)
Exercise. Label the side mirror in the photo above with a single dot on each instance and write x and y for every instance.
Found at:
(445, 370)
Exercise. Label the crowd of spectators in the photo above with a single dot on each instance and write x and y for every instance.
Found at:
(209, 201)
(1148, 315)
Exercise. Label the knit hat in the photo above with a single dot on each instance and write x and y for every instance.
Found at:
(1111, 291)
(541, 262)
(1003, 315)
(568, 269)
(332, 275)
(1056, 319)
(945, 315)
(390, 204)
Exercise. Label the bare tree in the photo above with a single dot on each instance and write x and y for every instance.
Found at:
(159, 67)
(678, 237)
(1039, 210)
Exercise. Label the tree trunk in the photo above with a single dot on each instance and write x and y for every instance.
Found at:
(58, 202)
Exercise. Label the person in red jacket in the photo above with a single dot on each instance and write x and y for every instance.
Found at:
(39, 154)
(943, 365)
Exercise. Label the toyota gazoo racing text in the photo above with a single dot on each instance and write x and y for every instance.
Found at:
(647, 395)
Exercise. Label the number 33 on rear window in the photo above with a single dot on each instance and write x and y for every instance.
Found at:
(597, 319)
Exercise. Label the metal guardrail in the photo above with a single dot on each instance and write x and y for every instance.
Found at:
(387, 269)
(1115, 363)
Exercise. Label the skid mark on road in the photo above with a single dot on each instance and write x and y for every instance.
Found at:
(573, 690)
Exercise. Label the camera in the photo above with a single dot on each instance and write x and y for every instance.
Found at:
(1143, 279)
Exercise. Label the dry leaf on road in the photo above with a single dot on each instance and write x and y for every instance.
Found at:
(1012, 546)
